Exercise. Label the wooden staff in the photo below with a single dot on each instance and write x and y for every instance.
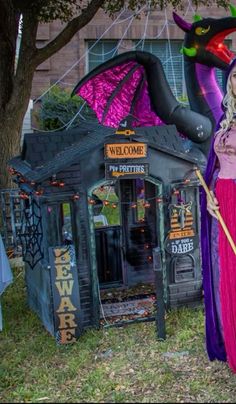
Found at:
(219, 217)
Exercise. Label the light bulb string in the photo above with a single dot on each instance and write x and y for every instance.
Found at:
(158, 198)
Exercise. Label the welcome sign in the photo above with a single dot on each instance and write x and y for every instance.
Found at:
(127, 150)
(65, 289)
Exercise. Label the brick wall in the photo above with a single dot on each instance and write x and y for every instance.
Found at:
(54, 68)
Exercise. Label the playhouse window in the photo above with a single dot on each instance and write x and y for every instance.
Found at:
(140, 199)
(66, 223)
(59, 224)
(106, 212)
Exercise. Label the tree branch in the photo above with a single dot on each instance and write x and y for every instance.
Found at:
(68, 32)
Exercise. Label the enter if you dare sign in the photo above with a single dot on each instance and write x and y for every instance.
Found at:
(181, 238)
(181, 246)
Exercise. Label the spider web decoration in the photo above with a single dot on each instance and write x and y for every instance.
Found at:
(31, 234)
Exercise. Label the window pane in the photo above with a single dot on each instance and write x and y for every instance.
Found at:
(140, 194)
(108, 212)
(172, 61)
(59, 224)
(99, 53)
(66, 223)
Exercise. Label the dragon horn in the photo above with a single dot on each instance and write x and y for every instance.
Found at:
(197, 18)
(191, 52)
(184, 25)
(232, 10)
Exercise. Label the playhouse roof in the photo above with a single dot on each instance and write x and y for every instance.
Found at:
(44, 154)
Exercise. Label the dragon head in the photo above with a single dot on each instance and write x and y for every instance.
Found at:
(204, 39)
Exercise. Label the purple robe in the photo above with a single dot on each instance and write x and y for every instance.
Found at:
(210, 263)
(209, 227)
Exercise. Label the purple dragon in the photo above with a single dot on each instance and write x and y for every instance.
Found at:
(134, 83)
(204, 50)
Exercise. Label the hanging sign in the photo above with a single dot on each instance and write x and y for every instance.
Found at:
(65, 291)
(127, 150)
(131, 170)
(181, 238)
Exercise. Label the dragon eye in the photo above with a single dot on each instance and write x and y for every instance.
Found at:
(202, 31)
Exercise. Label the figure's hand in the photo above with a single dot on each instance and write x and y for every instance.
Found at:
(212, 205)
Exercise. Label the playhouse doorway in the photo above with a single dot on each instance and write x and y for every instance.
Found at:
(139, 229)
(125, 222)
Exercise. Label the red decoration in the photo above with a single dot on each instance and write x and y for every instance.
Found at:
(57, 183)
(39, 192)
(187, 181)
(176, 192)
(91, 201)
(23, 195)
(12, 171)
(54, 183)
(146, 204)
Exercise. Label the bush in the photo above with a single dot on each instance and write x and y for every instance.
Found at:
(58, 109)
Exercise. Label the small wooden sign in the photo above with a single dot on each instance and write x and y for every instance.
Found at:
(65, 291)
(127, 150)
(131, 170)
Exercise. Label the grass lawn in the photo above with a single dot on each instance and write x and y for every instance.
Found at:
(109, 365)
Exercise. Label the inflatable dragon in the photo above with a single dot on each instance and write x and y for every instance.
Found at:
(204, 50)
(134, 83)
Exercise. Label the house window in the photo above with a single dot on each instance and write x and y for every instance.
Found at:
(106, 210)
(99, 53)
(172, 62)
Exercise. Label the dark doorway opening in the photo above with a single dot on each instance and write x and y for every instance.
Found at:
(139, 227)
(108, 235)
(124, 243)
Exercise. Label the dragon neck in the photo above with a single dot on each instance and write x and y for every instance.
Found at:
(203, 91)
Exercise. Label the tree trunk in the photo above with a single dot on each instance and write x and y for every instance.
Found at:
(11, 120)
(10, 147)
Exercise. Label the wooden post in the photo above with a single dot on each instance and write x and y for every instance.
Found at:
(160, 314)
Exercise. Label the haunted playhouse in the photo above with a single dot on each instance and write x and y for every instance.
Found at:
(107, 209)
